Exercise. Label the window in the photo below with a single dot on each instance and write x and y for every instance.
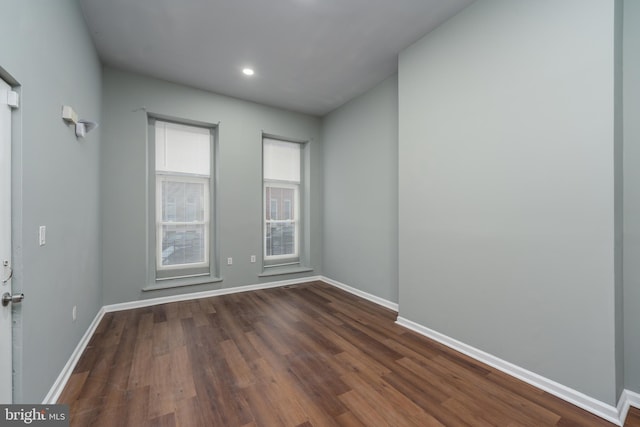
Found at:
(282, 178)
(287, 209)
(183, 164)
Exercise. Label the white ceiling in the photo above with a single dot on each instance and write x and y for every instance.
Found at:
(309, 56)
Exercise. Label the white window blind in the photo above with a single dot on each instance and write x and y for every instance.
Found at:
(281, 160)
(183, 149)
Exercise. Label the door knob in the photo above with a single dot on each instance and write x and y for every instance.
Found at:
(7, 298)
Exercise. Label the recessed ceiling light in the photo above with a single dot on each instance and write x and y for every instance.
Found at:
(248, 71)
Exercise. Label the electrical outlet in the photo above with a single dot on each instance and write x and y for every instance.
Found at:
(253, 258)
(229, 261)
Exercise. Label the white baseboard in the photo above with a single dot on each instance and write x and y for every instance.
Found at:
(370, 297)
(61, 381)
(616, 415)
(206, 294)
(627, 400)
(601, 409)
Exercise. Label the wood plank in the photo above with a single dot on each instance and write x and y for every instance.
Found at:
(318, 406)
(633, 418)
(241, 372)
(359, 406)
(395, 408)
(303, 355)
(74, 386)
(349, 420)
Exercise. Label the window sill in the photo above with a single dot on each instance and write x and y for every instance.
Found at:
(179, 283)
(280, 271)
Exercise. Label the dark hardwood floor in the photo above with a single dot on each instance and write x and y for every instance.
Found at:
(304, 355)
(633, 418)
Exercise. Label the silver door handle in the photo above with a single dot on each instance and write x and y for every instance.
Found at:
(7, 298)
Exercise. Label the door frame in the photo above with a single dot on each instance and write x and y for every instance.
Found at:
(16, 235)
(6, 244)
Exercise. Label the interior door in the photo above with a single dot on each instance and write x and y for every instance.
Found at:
(5, 245)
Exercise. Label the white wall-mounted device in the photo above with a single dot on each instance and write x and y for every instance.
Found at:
(83, 126)
(69, 115)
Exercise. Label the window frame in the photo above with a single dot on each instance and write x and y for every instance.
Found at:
(283, 264)
(190, 179)
(284, 258)
(162, 277)
(288, 206)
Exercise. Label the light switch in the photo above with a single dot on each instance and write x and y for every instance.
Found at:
(42, 235)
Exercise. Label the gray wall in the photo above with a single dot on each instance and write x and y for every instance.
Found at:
(506, 186)
(631, 46)
(45, 46)
(506, 181)
(360, 142)
(124, 173)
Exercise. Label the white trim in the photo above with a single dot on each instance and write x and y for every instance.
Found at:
(295, 186)
(616, 415)
(206, 294)
(61, 381)
(601, 409)
(380, 301)
(628, 399)
(205, 223)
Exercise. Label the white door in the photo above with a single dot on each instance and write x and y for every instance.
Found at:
(5, 244)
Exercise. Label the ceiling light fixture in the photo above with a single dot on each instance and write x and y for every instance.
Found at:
(248, 71)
